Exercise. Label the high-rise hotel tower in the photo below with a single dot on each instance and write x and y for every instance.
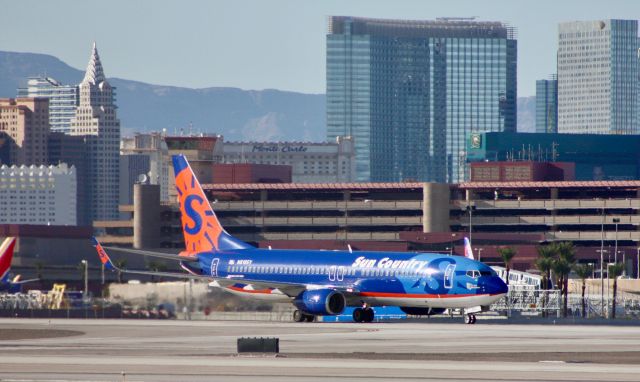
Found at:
(411, 93)
(598, 71)
(97, 122)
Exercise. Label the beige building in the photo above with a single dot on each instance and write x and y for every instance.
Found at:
(24, 126)
(311, 162)
(97, 122)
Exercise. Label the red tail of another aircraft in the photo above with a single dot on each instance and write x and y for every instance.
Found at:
(6, 255)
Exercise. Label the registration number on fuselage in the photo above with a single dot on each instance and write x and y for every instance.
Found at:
(240, 262)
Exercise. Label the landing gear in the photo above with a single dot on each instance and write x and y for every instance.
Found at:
(363, 314)
(298, 316)
(470, 319)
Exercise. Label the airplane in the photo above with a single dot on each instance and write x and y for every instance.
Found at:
(317, 282)
(7, 284)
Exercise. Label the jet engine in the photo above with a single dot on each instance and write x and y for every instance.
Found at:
(322, 302)
(421, 311)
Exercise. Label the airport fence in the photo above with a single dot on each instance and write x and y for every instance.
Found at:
(549, 302)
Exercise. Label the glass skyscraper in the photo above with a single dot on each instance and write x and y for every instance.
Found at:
(63, 100)
(598, 68)
(547, 105)
(411, 92)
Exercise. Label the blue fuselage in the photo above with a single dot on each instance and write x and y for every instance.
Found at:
(390, 278)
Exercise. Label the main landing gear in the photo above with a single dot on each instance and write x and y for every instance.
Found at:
(298, 316)
(470, 319)
(364, 314)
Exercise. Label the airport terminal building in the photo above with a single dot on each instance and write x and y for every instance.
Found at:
(412, 216)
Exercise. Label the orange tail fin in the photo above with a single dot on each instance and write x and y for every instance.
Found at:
(201, 228)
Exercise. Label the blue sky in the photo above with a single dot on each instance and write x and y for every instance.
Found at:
(258, 44)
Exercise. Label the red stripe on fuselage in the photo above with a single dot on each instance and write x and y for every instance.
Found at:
(407, 295)
(254, 291)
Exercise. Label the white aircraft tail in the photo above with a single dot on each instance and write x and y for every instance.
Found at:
(468, 252)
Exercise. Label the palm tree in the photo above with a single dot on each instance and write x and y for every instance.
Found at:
(562, 266)
(507, 253)
(583, 271)
(544, 263)
(614, 271)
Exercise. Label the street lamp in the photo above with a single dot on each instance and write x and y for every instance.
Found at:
(624, 261)
(602, 251)
(638, 264)
(470, 208)
(615, 257)
(453, 235)
(86, 277)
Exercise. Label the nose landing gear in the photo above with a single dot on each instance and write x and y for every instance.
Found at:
(470, 319)
(364, 314)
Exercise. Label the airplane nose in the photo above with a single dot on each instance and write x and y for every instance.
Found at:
(498, 286)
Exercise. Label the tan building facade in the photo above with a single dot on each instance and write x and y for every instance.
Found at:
(24, 126)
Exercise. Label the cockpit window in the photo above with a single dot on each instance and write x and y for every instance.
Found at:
(473, 274)
(486, 273)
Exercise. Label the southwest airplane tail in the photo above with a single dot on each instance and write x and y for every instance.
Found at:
(6, 256)
(320, 283)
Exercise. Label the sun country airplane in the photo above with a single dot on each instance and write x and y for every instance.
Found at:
(6, 255)
(320, 283)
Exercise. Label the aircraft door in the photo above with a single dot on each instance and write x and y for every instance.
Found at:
(332, 273)
(448, 276)
(214, 267)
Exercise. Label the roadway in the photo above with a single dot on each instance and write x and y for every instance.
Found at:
(151, 350)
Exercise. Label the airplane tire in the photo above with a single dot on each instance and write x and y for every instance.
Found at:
(298, 316)
(470, 319)
(358, 315)
(309, 317)
(368, 315)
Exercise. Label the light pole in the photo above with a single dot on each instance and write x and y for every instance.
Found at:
(601, 263)
(470, 208)
(638, 264)
(453, 235)
(615, 257)
(479, 250)
(86, 277)
(602, 251)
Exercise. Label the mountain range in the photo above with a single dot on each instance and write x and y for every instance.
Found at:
(269, 115)
(258, 115)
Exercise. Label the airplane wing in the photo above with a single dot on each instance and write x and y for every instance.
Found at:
(162, 255)
(108, 264)
(289, 289)
(20, 282)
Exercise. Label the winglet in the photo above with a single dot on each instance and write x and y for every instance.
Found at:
(468, 253)
(104, 258)
(6, 255)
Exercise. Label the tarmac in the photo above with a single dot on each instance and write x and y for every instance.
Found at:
(155, 350)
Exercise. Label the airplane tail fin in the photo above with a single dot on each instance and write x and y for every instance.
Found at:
(202, 229)
(104, 258)
(6, 255)
(468, 253)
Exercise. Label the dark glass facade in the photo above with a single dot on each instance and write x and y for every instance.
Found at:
(547, 106)
(596, 156)
(410, 92)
